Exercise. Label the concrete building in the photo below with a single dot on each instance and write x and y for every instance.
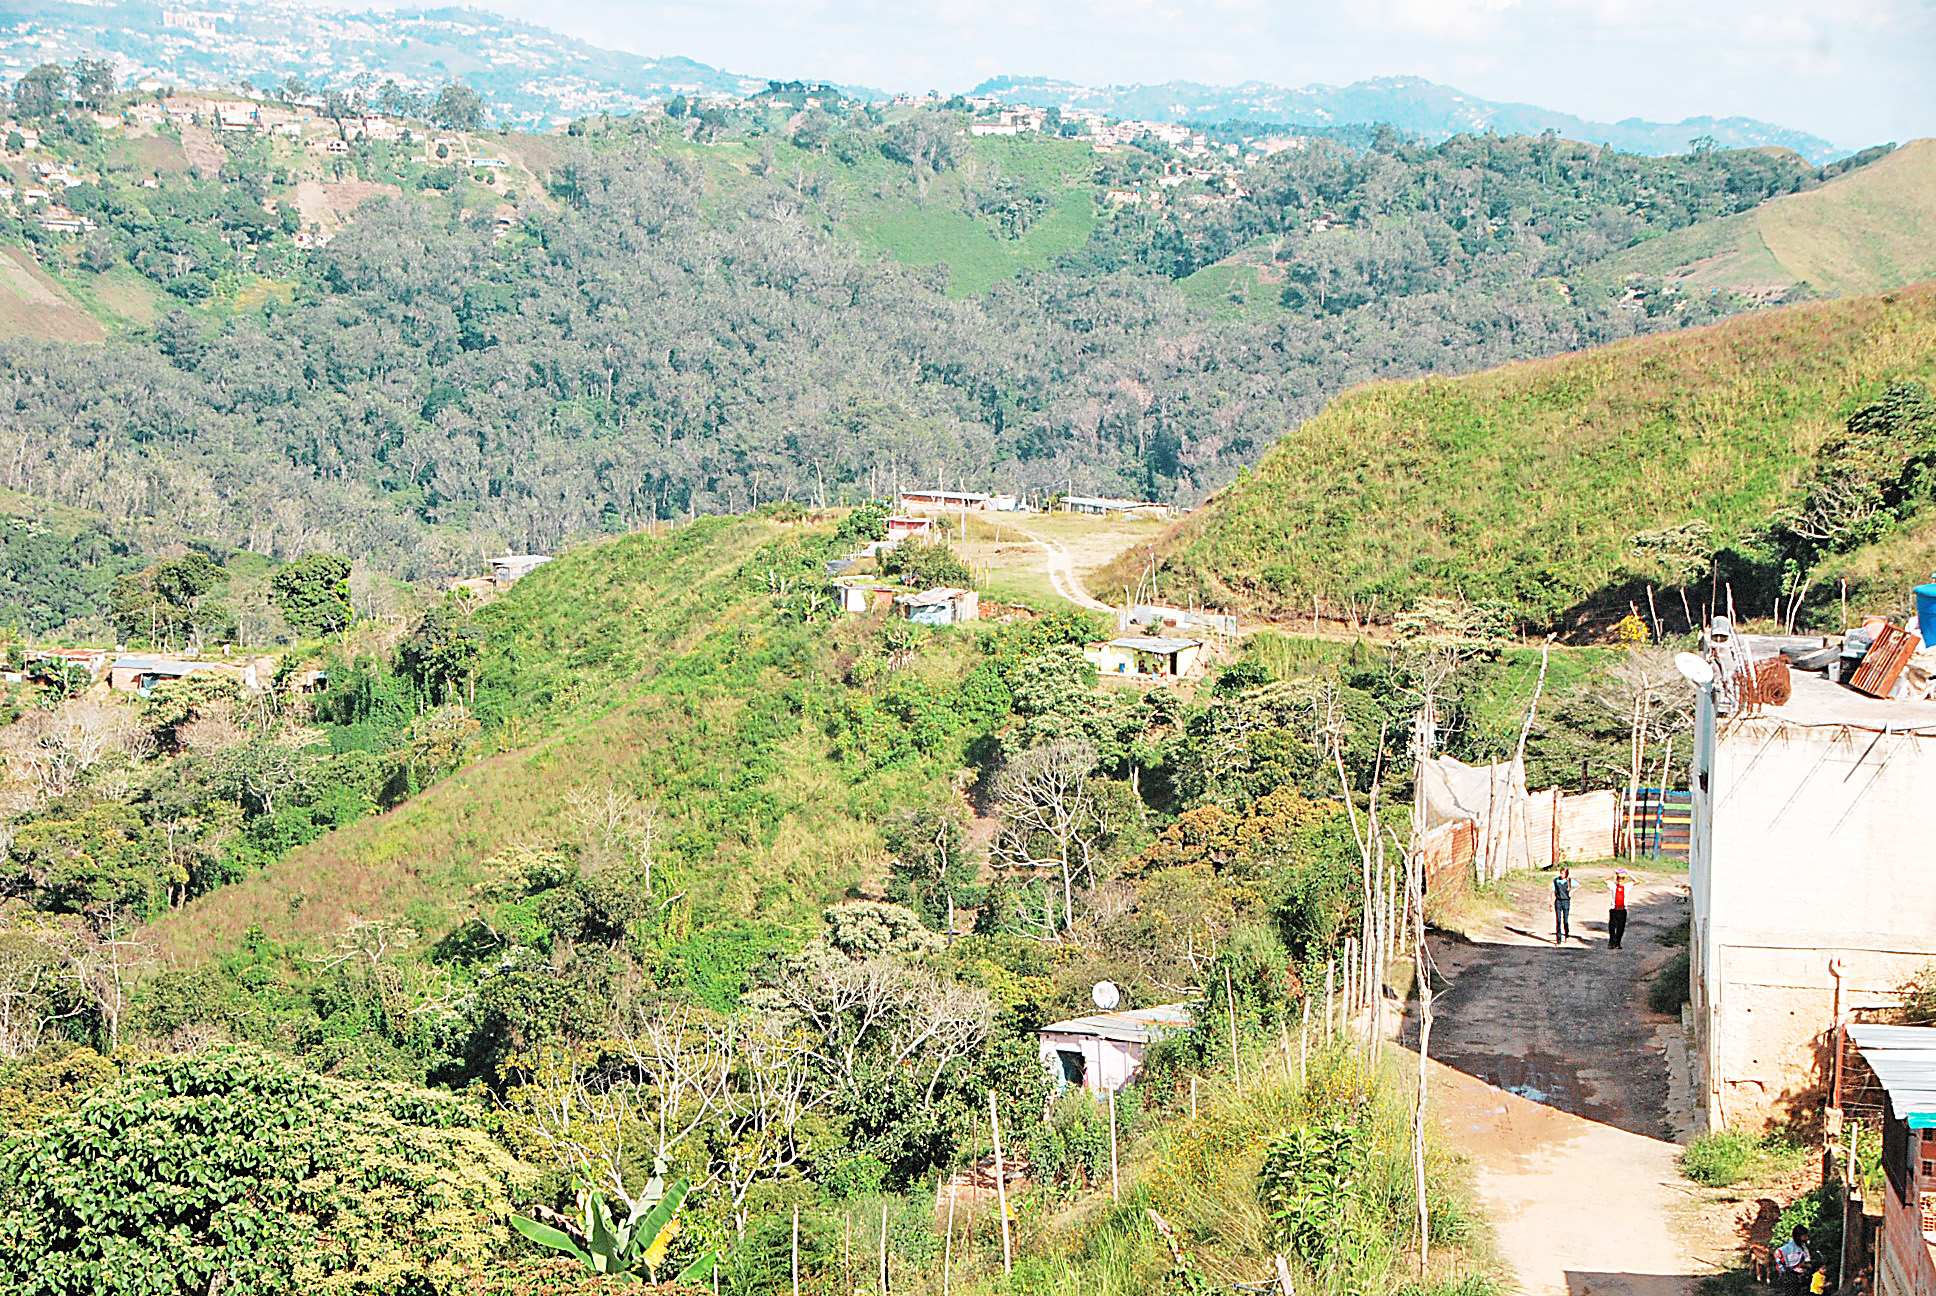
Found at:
(1104, 1051)
(1102, 506)
(1147, 656)
(943, 500)
(512, 568)
(1810, 885)
(857, 596)
(1904, 1061)
(900, 527)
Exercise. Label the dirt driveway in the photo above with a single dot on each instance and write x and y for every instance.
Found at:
(1556, 1083)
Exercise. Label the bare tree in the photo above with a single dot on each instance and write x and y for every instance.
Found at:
(102, 959)
(883, 1009)
(1044, 794)
(49, 752)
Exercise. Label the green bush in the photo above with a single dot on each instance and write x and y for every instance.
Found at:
(237, 1167)
(1670, 987)
(1733, 1156)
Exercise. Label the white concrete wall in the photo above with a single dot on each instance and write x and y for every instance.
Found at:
(1816, 846)
(1108, 1064)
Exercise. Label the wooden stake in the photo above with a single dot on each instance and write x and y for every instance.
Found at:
(1330, 976)
(1115, 1186)
(796, 1251)
(1304, 1044)
(1230, 1003)
(948, 1248)
(1193, 1097)
(1001, 1182)
(883, 1249)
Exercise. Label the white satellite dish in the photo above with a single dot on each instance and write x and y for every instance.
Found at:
(1698, 670)
(1106, 996)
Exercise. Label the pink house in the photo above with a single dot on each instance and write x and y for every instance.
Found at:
(1103, 1051)
(900, 528)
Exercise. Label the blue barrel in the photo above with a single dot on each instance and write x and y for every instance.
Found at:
(1926, 610)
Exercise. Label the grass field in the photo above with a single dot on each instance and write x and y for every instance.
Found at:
(1871, 229)
(1524, 483)
(1013, 566)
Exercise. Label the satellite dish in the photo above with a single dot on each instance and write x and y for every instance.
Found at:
(1698, 670)
(1106, 995)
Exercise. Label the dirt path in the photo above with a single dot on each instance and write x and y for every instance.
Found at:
(1557, 1085)
(1062, 572)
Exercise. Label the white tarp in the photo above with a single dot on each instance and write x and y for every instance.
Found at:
(1493, 797)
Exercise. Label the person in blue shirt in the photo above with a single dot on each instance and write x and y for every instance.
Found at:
(1562, 905)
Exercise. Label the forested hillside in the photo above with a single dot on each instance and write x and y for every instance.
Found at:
(696, 880)
(1776, 454)
(687, 311)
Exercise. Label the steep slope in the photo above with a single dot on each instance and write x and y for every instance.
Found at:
(673, 674)
(33, 307)
(1871, 229)
(1525, 483)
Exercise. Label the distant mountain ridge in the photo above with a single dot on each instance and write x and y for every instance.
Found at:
(1410, 104)
(531, 76)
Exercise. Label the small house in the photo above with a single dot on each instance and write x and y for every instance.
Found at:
(142, 674)
(1808, 878)
(1147, 656)
(863, 596)
(1103, 506)
(954, 501)
(901, 527)
(512, 568)
(1904, 1061)
(942, 606)
(1104, 1051)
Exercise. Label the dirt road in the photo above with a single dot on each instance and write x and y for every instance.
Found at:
(1062, 571)
(1556, 1084)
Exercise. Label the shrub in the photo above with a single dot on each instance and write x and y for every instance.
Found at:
(1670, 988)
(235, 1167)
(1732, 1156)
(1919, 997)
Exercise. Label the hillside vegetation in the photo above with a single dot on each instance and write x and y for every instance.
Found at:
(1871, 229)
(697, 310)
(1529, 484)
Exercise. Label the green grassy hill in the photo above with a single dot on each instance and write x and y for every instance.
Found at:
(1525, 483)
(1871, 229)
(666, 670)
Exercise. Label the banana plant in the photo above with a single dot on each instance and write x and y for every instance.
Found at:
(606, 1241)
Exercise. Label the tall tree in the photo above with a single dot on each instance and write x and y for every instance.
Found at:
(41, 92)
(313, 594)
(458, 107)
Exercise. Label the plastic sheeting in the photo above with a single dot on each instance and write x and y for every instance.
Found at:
(1493, 798)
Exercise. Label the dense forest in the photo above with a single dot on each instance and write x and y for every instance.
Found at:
(686, 319)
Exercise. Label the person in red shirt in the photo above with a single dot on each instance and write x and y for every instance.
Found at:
(1617, 915)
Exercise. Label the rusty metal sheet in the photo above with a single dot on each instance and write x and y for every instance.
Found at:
(1883, 664)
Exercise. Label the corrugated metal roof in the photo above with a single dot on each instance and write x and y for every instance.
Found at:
(1904, 1060)
(944, 594)
(1152, 644)
(1139, 1026)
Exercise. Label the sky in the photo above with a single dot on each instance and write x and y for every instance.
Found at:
(1855, 72)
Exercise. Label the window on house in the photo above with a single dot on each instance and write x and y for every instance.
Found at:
(1073, 1068)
